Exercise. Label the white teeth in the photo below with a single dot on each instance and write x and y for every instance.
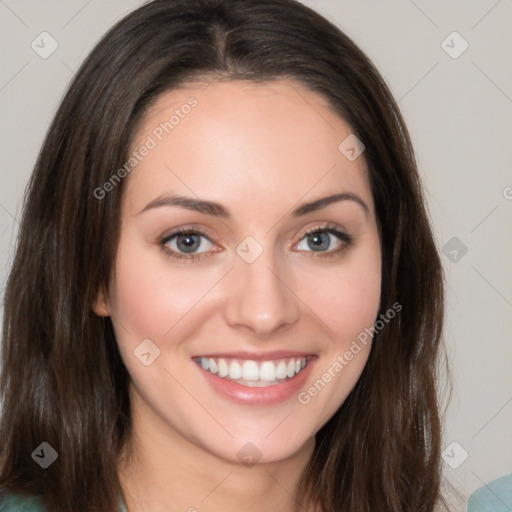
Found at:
(251, 373)
(268, 371)
(223, 368)
(250, 370)
(291, 368)
(235, 370)
(282, 370)
(212, 365)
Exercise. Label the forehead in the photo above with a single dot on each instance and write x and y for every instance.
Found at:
(257, 142)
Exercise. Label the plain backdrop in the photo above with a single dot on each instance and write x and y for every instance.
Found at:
(448, 65)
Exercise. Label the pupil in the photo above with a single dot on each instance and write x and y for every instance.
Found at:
(318, 243)
(190, 242)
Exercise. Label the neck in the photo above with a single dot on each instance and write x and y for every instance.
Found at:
(166, 471)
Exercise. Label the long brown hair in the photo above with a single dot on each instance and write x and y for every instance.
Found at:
(63, 380)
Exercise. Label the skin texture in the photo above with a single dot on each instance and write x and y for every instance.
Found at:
(260, 150)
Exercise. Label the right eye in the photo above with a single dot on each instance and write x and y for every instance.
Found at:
(183, 244)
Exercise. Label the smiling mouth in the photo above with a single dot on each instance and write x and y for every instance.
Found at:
(254, 373)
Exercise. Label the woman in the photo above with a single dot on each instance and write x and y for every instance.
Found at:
(226, 292)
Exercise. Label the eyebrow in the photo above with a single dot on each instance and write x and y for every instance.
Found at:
(217, 210)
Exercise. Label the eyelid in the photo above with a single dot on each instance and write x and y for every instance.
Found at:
(328, 226)
(188, 228)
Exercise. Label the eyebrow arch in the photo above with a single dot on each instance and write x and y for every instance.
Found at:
(318, 204)
(217, 210)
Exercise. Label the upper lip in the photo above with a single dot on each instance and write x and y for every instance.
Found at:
(258, 356)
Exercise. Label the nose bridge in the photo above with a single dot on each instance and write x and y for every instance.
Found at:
(261, 299)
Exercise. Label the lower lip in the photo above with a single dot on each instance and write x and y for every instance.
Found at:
(269, 395)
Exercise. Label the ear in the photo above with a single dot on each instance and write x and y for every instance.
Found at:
(101, 306)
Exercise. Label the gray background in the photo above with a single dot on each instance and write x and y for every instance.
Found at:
(459, 113)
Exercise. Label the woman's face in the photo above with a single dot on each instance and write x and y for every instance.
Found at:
(248, 290)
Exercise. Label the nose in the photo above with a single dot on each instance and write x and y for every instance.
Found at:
(260, 300)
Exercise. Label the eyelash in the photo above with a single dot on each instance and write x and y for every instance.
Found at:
(344, 237)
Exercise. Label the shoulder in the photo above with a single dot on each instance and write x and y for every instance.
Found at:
(11, 502)
(496, 496)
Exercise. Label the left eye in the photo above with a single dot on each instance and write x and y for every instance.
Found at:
(321, 240)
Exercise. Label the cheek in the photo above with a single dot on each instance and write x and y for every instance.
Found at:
(347, 301)
(356, 304)
(347, 298)
(150, 297)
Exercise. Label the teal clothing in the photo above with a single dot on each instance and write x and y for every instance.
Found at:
(14, 502)
(10, 502)
(496, 496)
